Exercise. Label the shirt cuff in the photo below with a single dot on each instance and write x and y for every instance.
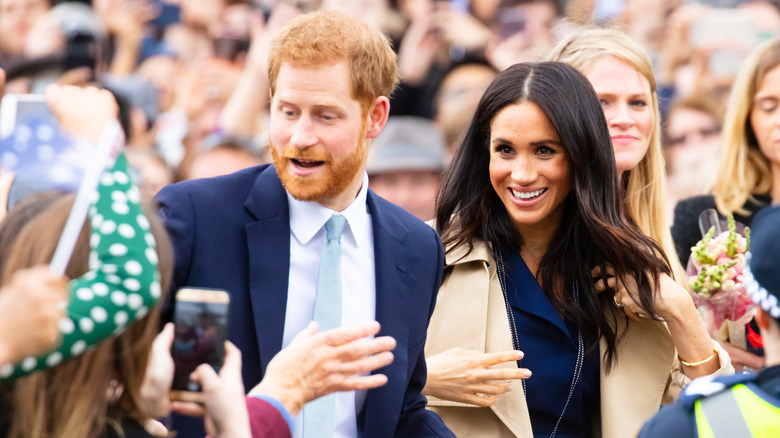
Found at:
(279, 407)
(725, 368)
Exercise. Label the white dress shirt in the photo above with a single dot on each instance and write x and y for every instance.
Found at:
(307, 240)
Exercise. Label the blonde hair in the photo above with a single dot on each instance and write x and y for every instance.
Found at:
(744, 170)
(79, 398)
(328, 37)
(646, 183)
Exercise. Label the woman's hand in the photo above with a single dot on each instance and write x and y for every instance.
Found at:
(31, 305)
(464, 375)
(225, 409)
(670, 300)
(673, 304)
(741, 358)
(159, 375)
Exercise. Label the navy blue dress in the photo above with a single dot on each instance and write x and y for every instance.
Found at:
(550, 347)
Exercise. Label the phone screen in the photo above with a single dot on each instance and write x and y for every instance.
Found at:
(510, 21)
(200, 317)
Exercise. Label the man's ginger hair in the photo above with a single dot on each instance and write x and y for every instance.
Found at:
(329, 37)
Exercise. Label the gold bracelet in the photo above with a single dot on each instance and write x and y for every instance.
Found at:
(701, 362)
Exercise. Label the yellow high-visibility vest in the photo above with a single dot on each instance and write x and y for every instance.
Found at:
(736, 412)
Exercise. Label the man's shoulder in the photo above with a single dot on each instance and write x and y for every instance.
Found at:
(388, 209)
(710, 385)
(408, 229)
(678, 419)
(219, 188)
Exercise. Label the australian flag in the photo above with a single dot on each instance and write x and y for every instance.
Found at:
(42, 157)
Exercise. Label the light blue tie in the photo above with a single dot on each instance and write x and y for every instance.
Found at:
(318, 414)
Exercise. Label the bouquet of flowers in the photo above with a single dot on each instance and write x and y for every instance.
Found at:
(715, 275)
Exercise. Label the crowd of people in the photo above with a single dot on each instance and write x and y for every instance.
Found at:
(433, 218)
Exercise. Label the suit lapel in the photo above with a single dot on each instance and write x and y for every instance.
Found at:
(269, 261)
(394, 294)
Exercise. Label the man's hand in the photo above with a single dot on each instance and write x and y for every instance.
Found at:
(31, 305)
(317, 364)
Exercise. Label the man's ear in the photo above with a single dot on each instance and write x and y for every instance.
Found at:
(378, 112)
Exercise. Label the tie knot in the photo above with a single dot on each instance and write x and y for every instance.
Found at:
(335, 226)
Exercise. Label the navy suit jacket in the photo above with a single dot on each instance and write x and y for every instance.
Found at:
(233, 233)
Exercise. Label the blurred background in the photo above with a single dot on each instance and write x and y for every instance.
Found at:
(191, 82)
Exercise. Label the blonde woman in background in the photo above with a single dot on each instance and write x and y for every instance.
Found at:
(749, 173)
(621, 72)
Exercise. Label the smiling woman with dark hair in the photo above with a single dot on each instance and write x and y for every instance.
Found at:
(542, 258)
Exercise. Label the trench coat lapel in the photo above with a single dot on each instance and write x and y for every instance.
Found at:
(646, 356)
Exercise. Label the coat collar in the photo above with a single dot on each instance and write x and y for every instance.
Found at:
(646, 353)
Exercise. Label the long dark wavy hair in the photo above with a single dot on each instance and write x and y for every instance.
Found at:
(594, 231)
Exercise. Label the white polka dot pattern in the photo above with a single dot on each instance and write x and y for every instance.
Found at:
(123, 282)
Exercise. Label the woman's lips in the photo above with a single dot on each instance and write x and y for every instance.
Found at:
(623, 139)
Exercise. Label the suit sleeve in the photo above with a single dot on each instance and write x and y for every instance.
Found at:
(416, 421)
(177, 214)
(267, 420)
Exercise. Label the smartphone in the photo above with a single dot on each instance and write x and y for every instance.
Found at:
(229, 48)
(510, 21)
(19, 109)
(201, 317)
(724, 26)
(81, 50)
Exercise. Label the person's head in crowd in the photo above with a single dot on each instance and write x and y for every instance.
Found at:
(66, 45)
(98, 389)
(377, 13)
(219, 155)
(160, 70)
(763, 278)
(691, 143)
(330, 77)
(537, 159)
(150, 170)
(406, 162)
(692, 120)
(457, 98)
(24, 211)
(621, 72)
(523, 30)
(750, 157)
(17, 17)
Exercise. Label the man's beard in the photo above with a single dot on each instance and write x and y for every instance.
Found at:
(333, 179)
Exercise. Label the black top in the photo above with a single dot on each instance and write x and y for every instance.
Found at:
(128, 429)
(685, 230)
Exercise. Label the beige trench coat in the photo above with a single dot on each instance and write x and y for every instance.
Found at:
(470, 313)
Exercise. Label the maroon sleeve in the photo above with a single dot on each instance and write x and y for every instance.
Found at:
(265, 420)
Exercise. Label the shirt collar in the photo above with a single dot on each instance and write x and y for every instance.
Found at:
(307, 218)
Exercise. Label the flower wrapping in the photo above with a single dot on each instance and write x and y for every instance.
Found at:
(715, 275)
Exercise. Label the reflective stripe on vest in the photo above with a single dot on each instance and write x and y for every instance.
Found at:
(735, 413)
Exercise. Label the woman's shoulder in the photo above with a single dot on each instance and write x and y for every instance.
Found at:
(467, 252)
(691, 207)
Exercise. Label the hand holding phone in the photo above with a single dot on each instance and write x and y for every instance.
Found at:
(200, 319)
